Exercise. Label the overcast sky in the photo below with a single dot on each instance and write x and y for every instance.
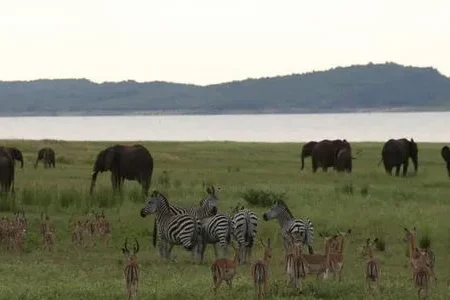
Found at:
(211, 41)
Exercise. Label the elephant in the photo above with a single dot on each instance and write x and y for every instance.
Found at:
(445, 152)
(15, 154)
(125, 162)
(343, 160)
(7, 166)
(324, 152)
(396, 152)
(307, 151)
(47, 155)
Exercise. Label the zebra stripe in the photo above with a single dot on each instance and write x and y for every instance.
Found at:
(245, 228)
(173, 229)
(292, 230)
(207, 208)
(216, 230)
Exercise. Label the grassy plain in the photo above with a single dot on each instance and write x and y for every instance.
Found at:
(379, 206)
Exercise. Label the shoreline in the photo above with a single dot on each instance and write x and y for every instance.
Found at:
(224, 112)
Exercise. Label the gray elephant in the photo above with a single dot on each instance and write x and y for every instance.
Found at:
(343, 160)
(306, 152)
(47, 155)
(125, 162)
(397, 152)
(324, 153)
(7, 165)
(445, 152)
(15, 154)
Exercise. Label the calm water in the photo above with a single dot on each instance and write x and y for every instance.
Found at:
(425, 127)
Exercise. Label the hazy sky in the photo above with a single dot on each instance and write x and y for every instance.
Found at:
(210, 41)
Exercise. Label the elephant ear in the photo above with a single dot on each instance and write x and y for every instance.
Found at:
(112, 158)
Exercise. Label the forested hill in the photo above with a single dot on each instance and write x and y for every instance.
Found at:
(362, 87)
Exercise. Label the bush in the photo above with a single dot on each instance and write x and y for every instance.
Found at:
(425, 241)
(380, 244)
(262, 198)
(365, 191)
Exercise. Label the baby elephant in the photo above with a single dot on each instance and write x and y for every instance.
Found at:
(47, 155)
(343, 160)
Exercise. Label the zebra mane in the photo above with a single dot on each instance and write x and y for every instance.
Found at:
(158, 194)
(282, 204)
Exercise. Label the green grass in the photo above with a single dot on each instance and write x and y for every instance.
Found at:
(368, 201)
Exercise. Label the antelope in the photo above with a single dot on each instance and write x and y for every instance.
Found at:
(48, 232)
(295, 266)
(337, 253)
(131, 270)
(260, 270)
(103, 227)
(373, 271)
(224, 269)
(415, 252)
(320, 263)
(77, 232)
(422, 273)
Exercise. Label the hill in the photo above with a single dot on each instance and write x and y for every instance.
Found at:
(360, 87)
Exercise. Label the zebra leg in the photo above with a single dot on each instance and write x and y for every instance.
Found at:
(310, 249)
(202, 246)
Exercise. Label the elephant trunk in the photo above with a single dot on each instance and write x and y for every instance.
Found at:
(93, 179)
(303, 161)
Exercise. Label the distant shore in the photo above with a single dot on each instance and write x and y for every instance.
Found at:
(223, 112)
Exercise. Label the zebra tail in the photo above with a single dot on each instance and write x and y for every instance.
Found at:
(154, 233)
(248, 231)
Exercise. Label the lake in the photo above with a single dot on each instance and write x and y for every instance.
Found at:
(422, 126)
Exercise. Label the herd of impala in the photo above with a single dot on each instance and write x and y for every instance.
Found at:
(298, 264)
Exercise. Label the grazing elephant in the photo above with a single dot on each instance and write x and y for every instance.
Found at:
(445, 152)
(6, 171)
(307, 151)
(343, 160)
(15, 154)
(324, 152)
(396, 152)
(125, 162)
(47, 155)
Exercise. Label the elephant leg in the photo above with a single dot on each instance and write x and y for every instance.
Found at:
(314, 164)
(145, 186)
(448, 169)
(405, 168)
(397, 170)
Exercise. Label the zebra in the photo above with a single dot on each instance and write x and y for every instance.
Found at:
(216, 230)
(292, 230)
(207, 208)
(173, 229)
(245, 228)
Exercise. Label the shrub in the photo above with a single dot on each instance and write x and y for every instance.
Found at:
(425, 241)
(380, 244)
(365, 191)
(262, 198)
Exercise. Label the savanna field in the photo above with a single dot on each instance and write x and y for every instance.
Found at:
(367, 201)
